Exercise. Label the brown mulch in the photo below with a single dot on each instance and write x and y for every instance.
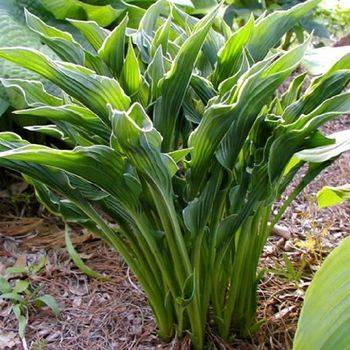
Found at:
(113, 314)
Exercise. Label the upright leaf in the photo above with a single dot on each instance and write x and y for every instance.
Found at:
(271, 29)
(292, 136)
(112, 49)
(176, 81)
(94, 34)
(230, 124)
(131, 76)
(231, 55)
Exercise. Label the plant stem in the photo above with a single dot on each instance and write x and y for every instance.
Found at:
(240, 305)
(181, 260)
(141, 271)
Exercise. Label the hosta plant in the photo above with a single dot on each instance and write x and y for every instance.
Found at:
(176, 144)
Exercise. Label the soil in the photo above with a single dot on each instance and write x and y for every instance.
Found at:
(113, 314)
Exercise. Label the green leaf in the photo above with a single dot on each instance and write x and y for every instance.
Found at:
(214, 41)
(294, 90)
(203, 6)
(21, 286)
(130, 75)
(294, 135)
(94, 34)
(179, 155)
(22, 324)
(75, 115)
(16, 310)
(98, 164)
(329, 196)
(188, 291)
(65, 46)
(50, 301)
(331, 83)
(82, 162)
(231, 55)
(134, 130)
(147, 34)
(203, 88)
(35, 268)
(319, 60)
(95, 91)
(324, 322)
(62, 9)
(4, 105)
(176, 81)
(61, 42)
(227, 126)
(11, 296)
(161, 37)
(50, 130)
(28, 93)
(155, 73)
(16, 270)
(22, 321)
(112, 49)
(56, 180)
(77, 259)
(260, 85)
(61, 207)
(269, 30)
(190, 217)
(14, 31)
(4, 286)
(228, 86)
(321, 154)
(150, 18)
(197, 213)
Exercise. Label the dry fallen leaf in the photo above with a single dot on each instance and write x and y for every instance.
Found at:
(21, 261)
(8, 340)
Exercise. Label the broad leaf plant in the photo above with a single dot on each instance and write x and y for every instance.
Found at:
(175, 144)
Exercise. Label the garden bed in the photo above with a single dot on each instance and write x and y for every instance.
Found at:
(114, 314)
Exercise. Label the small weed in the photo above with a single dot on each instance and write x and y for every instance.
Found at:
(16, 289)
(289, 271)
(39, 344)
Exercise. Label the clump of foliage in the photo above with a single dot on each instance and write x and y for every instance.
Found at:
(183, 146)
(288, 271)
(238, 12)
(17, 289)
(336, 16)
(13, 31)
